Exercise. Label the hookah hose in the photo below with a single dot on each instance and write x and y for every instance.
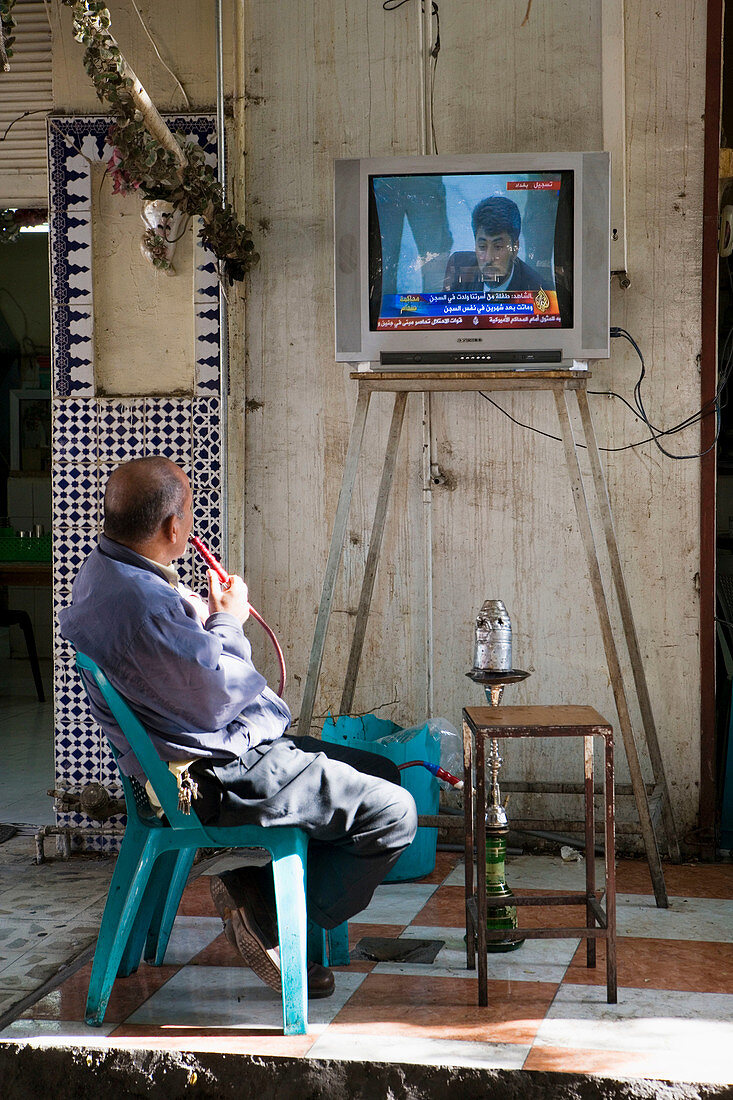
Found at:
(215, 564)
(435, 770)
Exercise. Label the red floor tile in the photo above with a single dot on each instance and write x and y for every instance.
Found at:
(218, 953)
(446, 1008)
(447, 908)
(616, 1063)
(660, 964)
(68, 1002)
(386, 931)
(444, 864)
(691, 880)
(196, 900)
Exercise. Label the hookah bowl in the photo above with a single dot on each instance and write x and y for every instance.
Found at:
(493, 670)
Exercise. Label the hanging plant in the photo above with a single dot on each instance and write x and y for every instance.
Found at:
(146, 155)
(7, 23)
(9, 227)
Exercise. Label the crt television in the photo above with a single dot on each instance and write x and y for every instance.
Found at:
(472, 262)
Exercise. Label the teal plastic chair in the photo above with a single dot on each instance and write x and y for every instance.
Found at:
(153, 866)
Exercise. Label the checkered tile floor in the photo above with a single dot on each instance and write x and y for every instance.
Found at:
(546, 1011)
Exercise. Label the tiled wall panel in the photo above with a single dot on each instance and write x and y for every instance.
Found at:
(94, 434)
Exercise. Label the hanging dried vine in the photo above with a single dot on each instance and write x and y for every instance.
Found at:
(7, 23)
(147, 156)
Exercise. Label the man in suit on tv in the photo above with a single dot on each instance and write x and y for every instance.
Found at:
(494, 264)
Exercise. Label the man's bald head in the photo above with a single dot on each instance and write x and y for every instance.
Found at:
(140, 496)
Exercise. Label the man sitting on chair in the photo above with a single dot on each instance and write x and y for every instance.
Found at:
(185, 667)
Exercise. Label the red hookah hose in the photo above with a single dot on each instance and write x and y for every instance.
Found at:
(435, 770)
(215, 564)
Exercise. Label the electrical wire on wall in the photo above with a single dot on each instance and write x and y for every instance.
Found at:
(392, 5)
(711, 407)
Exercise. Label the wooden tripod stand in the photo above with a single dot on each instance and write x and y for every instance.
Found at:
(562, 383)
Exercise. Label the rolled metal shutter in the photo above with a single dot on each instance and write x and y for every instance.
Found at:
(27, 87)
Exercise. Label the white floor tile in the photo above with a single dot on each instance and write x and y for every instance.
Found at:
(396, 904)
(222, 996)
(643, 1020)
(189, 936)
(53, 1032)
(432, 1052)
(540, 873)
(703, 919)
(534, 961)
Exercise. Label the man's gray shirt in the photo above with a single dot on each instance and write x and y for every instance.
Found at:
(192, 685)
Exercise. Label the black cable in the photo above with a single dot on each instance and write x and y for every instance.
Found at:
(40, 111)
(715, 402)
(558, 439)
(713, 405)
(393, 5)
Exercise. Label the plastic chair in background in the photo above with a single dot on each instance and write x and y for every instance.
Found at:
(23, 620)
(153, 865)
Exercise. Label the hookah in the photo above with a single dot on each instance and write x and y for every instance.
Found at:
(492, 667)
(213, 563)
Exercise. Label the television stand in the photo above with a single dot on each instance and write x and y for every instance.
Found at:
(562, 383)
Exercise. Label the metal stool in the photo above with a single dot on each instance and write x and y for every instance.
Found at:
(480, 723)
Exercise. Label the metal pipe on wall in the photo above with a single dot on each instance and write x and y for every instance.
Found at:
(221, 168)
(425, 128)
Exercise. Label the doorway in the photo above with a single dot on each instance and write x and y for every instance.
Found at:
(26, 707)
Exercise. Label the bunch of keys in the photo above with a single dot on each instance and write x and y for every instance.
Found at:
(188, 789)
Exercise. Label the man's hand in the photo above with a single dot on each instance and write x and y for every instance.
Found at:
(199, 605)
(232, 599)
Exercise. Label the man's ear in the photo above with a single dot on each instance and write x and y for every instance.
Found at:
(169, 528)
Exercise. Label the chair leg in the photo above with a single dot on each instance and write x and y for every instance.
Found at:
(134, 866)
(152, 903)
(317, 943)
(289, 875)
(161, 925)
(329, 948)
(338, 945)
(25, 624)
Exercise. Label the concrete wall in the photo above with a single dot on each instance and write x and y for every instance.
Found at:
(343, 81)
(340, 78)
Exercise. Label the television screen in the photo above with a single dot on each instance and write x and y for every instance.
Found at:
(478, 250)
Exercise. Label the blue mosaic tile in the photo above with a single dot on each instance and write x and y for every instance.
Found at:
(206, 269)
(207, 505)
(69, 172)
(103, 471)
(63, 652)
(121, 429)
(75, 430)
(168, 430)
(208, 454)
(72, 351)
(206, 420)
(74, 496)
(206, 335)
(185, 568)
(104, 842)
(77, 753)
(71, 256)
(71, 548)
(87, 450)
(109, 772)
(206, 475)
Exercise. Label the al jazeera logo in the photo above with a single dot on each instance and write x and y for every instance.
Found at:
(541, 301)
